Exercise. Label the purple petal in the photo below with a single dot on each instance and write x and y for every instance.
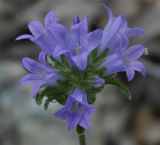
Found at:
(51, 80)
(29, 79)
(91, 109)
(130, 73)
(58, 51)
(138, 66)
(35, 89)
(76, 20)
(79, 96)
(31, 65)
(85, 123)
(50, 18)
(113, 63)
(99, 82)
(134, 31)
(42, 57)
(110, 29)
(62, 114)
(25, 36)
(59, 32)
(73, 122)
(119, 43)
(36, 28)
(79, 32)
(110, 15)
(134, 52)
(80, 60)
(46, 42)
(93, 39)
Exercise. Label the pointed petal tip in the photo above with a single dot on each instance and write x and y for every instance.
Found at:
(25, 36)
(107, 9)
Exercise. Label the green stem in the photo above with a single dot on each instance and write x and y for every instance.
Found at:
(82, 139)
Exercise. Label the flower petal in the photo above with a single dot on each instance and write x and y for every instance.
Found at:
(73, 122)
(119, 43)
(46, 43)
(85, 122)
(134, 31)
(58, 51)
(80, 60)
(130, 73)
(32, 65)
(29, 79)
(50, 18)
(62, 114)
(99, 82)
(110, 29)
(79, 96)
(59, 32)
(79, 32)
(36, 88)
(138, 66)
(76, 20)
(42, 57)
(36, 28)
(93, 39)
(134, 52)
(113, 64)
(25, 36)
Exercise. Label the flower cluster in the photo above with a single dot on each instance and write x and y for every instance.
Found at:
(74, 64)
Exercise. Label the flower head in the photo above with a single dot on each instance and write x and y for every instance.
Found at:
(79, 61)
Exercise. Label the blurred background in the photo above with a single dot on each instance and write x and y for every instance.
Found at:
(117, 121)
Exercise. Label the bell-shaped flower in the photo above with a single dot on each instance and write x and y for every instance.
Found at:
(126, 59)
(78, 42)
(111, 33)
(76, 110)
(43, 38)
(39, 74)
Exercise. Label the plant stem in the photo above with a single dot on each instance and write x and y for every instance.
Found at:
(82, 139)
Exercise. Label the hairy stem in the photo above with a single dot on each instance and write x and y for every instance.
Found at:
(82, 139)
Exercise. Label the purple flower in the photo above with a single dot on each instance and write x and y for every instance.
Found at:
(77, 110)
(40, 74)
(43, 38)
(126, 60)
(78, 42)
(116, 28)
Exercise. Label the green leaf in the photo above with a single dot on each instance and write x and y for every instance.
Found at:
(123, 88)
(47, 91)
(39, 99)
(91, 98)
(46, 104)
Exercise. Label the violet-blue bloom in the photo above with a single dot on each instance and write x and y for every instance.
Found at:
(78, 42)
(77, 110)
(43, 38)
(126, 60)
(39, 74)
(116, 28)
